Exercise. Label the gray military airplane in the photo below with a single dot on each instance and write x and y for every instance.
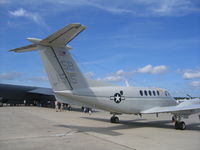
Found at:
(16, 94)
(70, 85)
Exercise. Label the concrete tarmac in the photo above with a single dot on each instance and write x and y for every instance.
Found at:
(32, 128)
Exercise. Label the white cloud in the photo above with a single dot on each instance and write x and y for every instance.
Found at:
(169, 7)
(32, 16)
(172, 7)
(134, 7)
(10, 75)
(7, 76)
(89, 75)
(19, 12)
(159, 69)
(195, 83)
(149, 69)
(120, 72)
(124, 76)
(145, 69)
(38, 79)
(4, 1)
(191, 74)
(107, 7)
(111, 78)
(114, 77)
(140, 7)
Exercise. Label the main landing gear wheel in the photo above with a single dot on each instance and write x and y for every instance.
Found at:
(114, 119)
(180, 125)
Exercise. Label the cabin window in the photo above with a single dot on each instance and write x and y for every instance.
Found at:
(145, 92)
(141, 92)
(149, 92)
(158, 93)
(166, 93)
(121, 92)
(154, 93)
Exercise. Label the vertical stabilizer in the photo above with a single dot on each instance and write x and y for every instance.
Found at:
(63, 72)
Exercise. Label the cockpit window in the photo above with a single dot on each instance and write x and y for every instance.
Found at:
(121, 92)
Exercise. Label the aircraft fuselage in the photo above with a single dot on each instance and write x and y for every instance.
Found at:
(129, 100)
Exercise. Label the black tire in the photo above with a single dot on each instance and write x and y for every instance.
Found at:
(182, 125)
(116, 119)
(112, 119)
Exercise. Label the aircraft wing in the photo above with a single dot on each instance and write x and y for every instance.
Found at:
(43, 91)
(189, 106)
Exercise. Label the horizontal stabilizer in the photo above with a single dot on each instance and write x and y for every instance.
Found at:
(25, 48)
(58, 39)
(63, 36)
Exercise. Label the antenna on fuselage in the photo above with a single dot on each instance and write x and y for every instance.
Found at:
(126, 83)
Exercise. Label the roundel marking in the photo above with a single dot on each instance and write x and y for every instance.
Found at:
(117, 97)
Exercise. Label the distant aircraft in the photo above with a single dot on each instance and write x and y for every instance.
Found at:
(16, 94)
(70, 85)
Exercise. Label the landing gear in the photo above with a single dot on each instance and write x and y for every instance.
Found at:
(173, 118)
(114, 119)
(179, 125)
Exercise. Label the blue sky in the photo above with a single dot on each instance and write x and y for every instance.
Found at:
(152, 43)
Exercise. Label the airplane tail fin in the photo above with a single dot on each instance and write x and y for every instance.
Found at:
(59, 38)
(63, 72)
